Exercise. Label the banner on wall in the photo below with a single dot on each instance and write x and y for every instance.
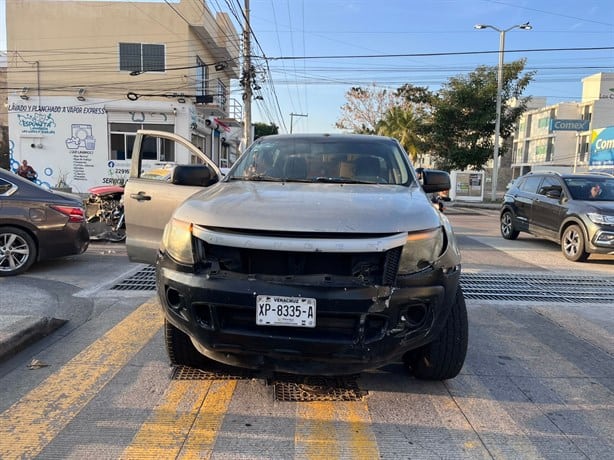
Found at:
(602, 147)
(66, 143)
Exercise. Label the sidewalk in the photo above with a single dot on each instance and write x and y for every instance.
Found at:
(17, 332)
(33, 306)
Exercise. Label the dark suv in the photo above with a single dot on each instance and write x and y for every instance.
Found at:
(574, 210)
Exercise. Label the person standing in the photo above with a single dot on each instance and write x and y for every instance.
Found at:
(27, 171)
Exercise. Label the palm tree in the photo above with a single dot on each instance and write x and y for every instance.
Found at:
(401, 123)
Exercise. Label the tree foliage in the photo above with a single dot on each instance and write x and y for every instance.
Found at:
(462, 126)
(402, 124)
(455, 124)
(262, 129)
(365, 107)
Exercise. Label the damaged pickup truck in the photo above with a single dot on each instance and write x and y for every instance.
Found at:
(315, 254)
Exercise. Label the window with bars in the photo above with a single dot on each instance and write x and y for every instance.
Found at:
(141, 57)
(201, 77)
(221, 94)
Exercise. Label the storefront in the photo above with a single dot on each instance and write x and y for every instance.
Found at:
(86, 144)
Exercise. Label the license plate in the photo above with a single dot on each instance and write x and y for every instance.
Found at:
(285, 311)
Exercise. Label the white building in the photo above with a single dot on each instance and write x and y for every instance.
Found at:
(83, 76)
(568, 136)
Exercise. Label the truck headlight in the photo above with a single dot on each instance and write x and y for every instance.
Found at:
(177, 241)
(420, 250)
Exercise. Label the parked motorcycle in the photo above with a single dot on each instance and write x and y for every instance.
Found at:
(105, 213)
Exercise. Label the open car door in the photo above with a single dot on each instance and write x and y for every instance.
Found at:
(150, 199)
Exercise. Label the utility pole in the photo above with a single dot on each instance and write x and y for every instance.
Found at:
(246, 81)
(292, 115)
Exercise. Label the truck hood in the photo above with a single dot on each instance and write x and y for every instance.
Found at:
(311, 207)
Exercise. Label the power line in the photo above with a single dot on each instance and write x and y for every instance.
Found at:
(452, 53)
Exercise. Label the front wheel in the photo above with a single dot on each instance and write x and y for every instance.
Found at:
(444, 358)
(116, 236)
(507, 226)
(181, 351)
(572, 244)
(17, 251)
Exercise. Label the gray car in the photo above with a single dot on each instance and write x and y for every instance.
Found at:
(315, 254)
(37, 224)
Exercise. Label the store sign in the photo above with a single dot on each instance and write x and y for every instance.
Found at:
(602, 147)
(569, 125)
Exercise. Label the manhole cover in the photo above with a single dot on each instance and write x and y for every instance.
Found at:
(317, 388)
(215, 373)
(143, 280)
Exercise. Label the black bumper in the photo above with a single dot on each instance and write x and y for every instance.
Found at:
(358, 327)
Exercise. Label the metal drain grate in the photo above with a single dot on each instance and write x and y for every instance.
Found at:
(215, 373)
(143, 280)
(537, 287)
(317, 388)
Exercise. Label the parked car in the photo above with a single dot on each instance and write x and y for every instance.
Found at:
(314, 254)
(37, 224)
(573, 210)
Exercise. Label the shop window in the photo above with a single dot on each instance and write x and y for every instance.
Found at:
(124, 134)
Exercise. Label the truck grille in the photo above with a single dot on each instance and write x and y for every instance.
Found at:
(369, 267)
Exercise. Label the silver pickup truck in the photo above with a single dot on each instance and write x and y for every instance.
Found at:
(315, 254)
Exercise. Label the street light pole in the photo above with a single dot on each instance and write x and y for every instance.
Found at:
(292, 115)
(495, 160)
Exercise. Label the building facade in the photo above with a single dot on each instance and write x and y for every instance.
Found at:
(83, 77)
(568, 136)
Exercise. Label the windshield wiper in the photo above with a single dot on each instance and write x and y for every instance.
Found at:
(341, 180)
(262, 177)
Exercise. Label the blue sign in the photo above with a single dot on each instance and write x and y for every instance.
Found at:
(569, 125)
(602, 147)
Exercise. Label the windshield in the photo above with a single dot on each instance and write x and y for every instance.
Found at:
(324, 159)
(592, 188)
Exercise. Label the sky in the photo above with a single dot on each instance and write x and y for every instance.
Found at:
(309, 53)
(351, 29)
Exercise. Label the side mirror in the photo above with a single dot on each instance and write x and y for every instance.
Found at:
(195, 175)
(554, 193)
(435, 181)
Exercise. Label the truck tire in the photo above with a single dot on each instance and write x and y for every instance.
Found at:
(181, 351)
(443, 358)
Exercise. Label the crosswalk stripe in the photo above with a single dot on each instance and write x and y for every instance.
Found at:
(186, 423)
(334, 430)
(31, 423)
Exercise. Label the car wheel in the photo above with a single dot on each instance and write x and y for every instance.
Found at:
(17, 251)
(572, 244)
(444, 358)
(507, 226)
(116, 236)
(180, 349)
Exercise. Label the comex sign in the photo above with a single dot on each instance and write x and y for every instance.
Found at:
(602, 147)
(569, 125)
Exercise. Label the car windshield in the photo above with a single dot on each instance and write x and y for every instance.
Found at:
(324, 159)
(593, 188)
